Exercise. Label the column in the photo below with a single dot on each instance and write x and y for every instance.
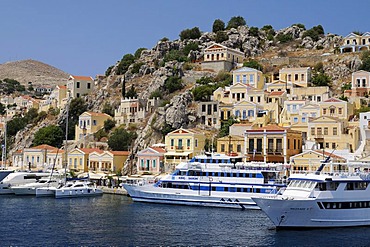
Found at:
(285, 146)
(264, 146)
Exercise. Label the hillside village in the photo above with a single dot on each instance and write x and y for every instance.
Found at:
(270, 96)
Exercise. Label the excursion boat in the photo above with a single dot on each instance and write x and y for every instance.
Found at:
(211, 180)
(79, 188)
(318, 200)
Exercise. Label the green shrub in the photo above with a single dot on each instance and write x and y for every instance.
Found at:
(235, 22)
(253, 64)
(221, 36)
(137, 53)
(125, 62)
(218, 25)
(136, 67)
(190, 47)
(172, 84)
(109, 70)
(253, 31)
(284, 38)
(174, 55)
(193, 33)
(156, 94)
(300, 25)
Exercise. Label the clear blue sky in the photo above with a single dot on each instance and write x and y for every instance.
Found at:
(85, 37)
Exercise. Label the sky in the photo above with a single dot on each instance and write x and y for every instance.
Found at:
(85, 37)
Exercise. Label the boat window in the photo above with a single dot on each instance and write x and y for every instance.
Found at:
(235, 175)
(349, 186)
(238, 189)
(228, 174)
(253, 175)
(332, 186)
(226, 189)
(213, 188)
(322, 186)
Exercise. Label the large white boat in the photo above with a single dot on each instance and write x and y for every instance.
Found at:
(317, 200)
(30, 188)
(80, 188)
(4, 187)
(20, 178)
(216, 180)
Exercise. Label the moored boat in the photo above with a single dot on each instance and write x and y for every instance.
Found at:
(319, 200)
(80, 188)
(217, 180)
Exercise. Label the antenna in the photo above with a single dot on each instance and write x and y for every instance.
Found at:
(325, 161)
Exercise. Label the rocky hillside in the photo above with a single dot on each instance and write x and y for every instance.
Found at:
(33, 71)
(148, 72)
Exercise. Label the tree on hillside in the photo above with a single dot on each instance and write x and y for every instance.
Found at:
(2, 109)
(125, 62)
(193, 33)
(123, 90)
(121, 139)
(51, 135)
(108, 109)
(235, 22)
(253, 64)
(172, 84)
(109, 124)
(16, 124)
(253, 31)
(137, 53)
(321, 79)
(221, 36)
(218, 25)
(365, 58)
(132, 92)
(77, 106)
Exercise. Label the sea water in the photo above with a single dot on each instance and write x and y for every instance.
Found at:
(114, 220)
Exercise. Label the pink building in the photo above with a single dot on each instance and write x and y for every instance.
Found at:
(150, 160)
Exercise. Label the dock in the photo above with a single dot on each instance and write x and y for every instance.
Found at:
(116, 191)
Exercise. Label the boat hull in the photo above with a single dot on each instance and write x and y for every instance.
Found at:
(152, 194)
(45, 192)
(24, 191)
(68, 193)
(310, 213)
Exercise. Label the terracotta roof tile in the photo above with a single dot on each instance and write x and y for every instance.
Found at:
(126, 153)
(82, 78)
(159, 150)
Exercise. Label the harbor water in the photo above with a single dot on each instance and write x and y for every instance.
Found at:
(114, 220)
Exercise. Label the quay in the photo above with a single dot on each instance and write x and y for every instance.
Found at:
(116, 191)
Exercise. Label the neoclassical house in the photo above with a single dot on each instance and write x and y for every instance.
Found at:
(80, 85)
(355, 42)
(249, 76)
(218, 57)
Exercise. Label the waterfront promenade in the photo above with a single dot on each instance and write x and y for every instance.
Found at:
(110, 190)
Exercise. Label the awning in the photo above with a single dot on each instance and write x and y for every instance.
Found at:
(177, 153)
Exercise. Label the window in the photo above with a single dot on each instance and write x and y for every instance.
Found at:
(172, 142)
(251, 99)
(295, 120)
(335, 131)
(239, 148)
(238, 78)
(88, 85)
(332, 111)
(196, 142)
(244, 78)
(78, 84)
(319, 131)
(188, 142)
(358, 82)
(222, 147)
(251, 145)
(318, 98)
(296, 77)
(77, 95)
(179, 143)
(327, 145)
(94, 122)
(340, 110)
(312, 131)
(324, 111)
(142, 162)
(326, 131)
(258, 99)
(303, 119)
(302, 77)
(251, 78)
(289, 77)
(203, 108)
(333, 145)
(363, 82)
(153, 163)
(259, 145)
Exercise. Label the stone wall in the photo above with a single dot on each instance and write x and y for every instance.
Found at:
(217, 66)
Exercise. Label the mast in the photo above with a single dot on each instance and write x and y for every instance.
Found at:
(66, 142)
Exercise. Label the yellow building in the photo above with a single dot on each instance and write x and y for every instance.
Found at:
(221, 58)
(107, 161)
(182, 145)
(333, 133)
(89, 123)
(80, 85)
(39, 157)
(300, 77)
(59, 96)
(272, 143)
(279, 86)
(78, 158)
(336, 108)
(231, 144)
(312, 94)
(355, 42)
(249, 76)
(310, 161)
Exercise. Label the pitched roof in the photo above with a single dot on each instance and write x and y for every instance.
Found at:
(97, 113)
(125, 153)
(82, 78)
(158, 149)
(333, 100)
(44, 146)
(276, 93)
(246, 69)
(271, 127)
(90, 150)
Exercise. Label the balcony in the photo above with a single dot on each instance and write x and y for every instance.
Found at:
(179, 148)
